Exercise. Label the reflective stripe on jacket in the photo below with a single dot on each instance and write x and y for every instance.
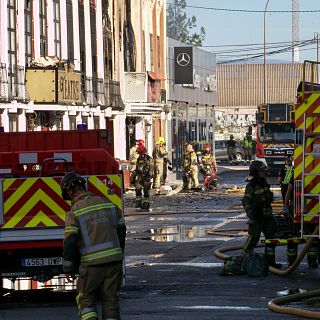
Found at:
(91, 228)
(288, 173)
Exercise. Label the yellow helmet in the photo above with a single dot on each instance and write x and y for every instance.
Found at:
(160, 140)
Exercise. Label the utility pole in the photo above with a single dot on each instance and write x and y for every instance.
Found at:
(317, 37)
(264, 56)
(295, 31)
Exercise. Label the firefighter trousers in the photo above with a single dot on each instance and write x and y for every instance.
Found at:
(267, 225)
(100, 282)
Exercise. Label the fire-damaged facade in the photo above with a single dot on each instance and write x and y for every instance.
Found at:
(68, 64)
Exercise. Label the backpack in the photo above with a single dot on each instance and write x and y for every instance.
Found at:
(252, 264)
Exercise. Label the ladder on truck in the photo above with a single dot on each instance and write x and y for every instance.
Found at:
(310, 173)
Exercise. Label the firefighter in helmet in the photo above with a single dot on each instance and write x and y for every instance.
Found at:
(208, 162)
(257, 201)
(190, 168)
(94, 234)
(144, 174)
(158, 154)
(133, 157)
(231, 150)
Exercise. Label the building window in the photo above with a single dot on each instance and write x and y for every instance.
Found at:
(28, 31)
(73, 122)
(12, 53)
(43, 27)
(57, 27)
(96, 122)
(13, 122)
(151, 51)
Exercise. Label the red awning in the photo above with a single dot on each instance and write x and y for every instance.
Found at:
(154, 76)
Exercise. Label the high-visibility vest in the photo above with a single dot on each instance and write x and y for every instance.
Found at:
(247, 143)
(288, 170)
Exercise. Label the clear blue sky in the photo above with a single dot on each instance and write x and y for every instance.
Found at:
(238, 28)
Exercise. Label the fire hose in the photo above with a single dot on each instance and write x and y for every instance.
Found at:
(274, 304)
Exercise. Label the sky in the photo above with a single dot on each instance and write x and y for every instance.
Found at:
(224, 28)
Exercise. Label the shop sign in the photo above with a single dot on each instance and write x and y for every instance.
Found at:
(69, 87)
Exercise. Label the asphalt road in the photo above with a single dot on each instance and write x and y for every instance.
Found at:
(171, 272)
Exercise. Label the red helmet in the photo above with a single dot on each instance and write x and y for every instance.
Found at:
(207, 148)
(141, 149)
(140, 142)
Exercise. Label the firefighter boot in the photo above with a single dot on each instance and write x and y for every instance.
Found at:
(312, 257)
(270, 256)
(138, 203)
(145, 206)
(292, 253)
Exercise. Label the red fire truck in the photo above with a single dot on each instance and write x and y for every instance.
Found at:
(275, 134)
(32, 211)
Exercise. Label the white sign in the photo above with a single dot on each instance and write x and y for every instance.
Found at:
(316, 150)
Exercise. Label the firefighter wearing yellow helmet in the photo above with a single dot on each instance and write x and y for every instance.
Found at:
(158, 154)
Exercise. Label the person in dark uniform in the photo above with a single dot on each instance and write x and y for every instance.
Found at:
(257, 204)
(231, 150)
(144, 174)
(285, 175)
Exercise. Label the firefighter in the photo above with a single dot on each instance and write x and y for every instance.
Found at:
(231, 150)
(284, 176)
(208, 162)
(167, 165)
(257, 204)
(133, 157)
(190, 168)
(247, 148)
(144, 174)
(94, 230)
(158, 154)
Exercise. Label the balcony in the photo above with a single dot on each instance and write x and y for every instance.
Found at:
(113, 96)
(142, 87)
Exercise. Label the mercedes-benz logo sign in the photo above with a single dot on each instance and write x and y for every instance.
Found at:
(183, 59)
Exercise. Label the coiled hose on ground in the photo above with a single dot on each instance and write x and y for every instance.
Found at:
(274, 304)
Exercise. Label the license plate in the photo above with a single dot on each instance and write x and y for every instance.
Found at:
(279, 162)
(39, 262)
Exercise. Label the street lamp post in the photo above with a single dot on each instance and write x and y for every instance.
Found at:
(264, 56)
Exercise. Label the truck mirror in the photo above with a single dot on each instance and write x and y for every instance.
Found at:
(299, 136)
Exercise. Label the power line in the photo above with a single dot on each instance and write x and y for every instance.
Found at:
(255, 56)
(246, 10)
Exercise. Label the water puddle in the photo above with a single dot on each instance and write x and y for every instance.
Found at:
(179, 233)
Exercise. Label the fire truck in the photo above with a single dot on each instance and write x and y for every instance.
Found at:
(306, 199)
(32, 211)
(275, 134)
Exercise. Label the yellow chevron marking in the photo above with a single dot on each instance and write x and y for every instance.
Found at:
(305, 106)
(26, 185)
(311, 213)
(40, 217)
(103, 188)
(7, 183)
(53, 184)
(39, 195)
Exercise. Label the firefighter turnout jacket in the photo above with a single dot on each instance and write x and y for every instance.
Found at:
(91, 227)
(257, 199)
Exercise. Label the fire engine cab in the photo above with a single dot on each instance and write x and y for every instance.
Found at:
(32, 211)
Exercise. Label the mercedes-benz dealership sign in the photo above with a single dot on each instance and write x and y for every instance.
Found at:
(183, 65)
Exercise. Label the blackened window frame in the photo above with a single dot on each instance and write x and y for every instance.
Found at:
(28, 31)
(57, 27)
(12, 49)
(43, 27)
